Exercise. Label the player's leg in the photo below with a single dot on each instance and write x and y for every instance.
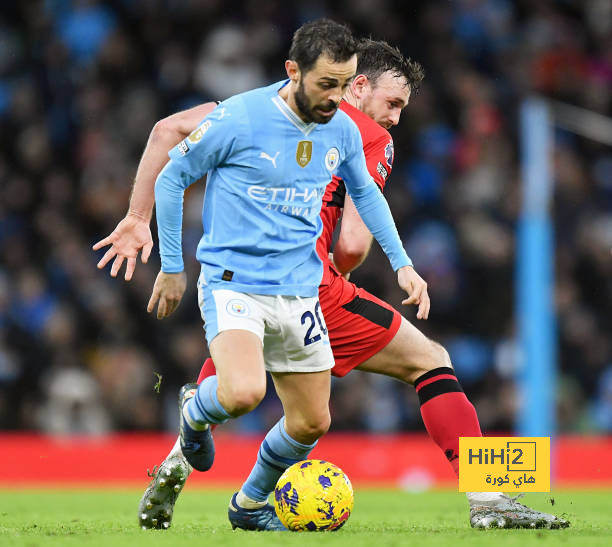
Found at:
(305, 399)
(367, 333)
(447, 413)
(299, 357)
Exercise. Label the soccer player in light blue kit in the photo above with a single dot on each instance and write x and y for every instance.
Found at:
(269, 154)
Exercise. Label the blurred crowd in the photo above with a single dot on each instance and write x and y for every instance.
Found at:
(82, 83)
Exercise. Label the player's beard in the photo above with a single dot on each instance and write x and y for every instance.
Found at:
(309, 113)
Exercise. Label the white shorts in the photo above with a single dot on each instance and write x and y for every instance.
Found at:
(292, 329)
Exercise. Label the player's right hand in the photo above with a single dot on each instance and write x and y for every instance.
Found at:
(130, 236)
(416, 288)
(168, 290)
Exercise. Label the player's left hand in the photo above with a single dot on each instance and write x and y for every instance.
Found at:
(416, 288)
(168, 290)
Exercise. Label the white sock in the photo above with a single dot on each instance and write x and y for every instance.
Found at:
(482, 498)
(247, 503)
(176, 449)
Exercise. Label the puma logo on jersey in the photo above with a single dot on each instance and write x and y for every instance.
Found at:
(272, 159)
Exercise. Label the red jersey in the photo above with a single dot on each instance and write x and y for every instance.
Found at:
(378, 150)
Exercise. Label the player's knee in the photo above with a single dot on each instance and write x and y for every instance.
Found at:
(440, 357)
(239, 400)
(308, 429)
(434, 356)
(443, 356)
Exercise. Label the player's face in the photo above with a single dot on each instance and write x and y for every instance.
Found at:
(320, 90)
(384, 100)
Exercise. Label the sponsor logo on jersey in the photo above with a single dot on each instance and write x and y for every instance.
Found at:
(303, 154)
(288, 200)
(197, 135)
(389, 153)
(332, 158)
(237, 308)
(182, 148)
(288, 193)
(382, 171)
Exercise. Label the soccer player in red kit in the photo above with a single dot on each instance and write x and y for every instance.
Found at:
(365, 332)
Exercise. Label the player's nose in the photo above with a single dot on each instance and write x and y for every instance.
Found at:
(394, 117)
(335, 96)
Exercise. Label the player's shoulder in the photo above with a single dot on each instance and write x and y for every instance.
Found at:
(247, 107)
(369, 129)
(254, 95)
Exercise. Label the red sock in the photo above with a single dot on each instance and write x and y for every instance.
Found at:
(208, 369)
(447, 413)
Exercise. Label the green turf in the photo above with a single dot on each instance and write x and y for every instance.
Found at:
(380, 518)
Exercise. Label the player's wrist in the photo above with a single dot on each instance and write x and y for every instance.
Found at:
(172, 264)
(402, 262)
(139, 215)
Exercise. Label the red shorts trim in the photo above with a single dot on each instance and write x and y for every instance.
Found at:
(359, 324)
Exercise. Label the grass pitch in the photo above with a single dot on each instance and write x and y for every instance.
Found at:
(380, 518)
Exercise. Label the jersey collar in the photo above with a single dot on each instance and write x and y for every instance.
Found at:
(305, 128)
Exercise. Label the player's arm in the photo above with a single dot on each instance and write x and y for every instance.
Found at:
(206, 148)
(355, 240)
(374, 211)
(132, 234)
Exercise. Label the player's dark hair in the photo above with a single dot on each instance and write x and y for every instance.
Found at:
(321, 36)
(375, 57)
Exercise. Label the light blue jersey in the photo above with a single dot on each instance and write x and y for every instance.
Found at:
(267, 172)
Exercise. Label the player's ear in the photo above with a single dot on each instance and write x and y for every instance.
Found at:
(293, 70)
(360, 85)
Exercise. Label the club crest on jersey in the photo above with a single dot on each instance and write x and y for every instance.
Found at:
(197, 135)
(389, 153)
(303, 154)
(237, 308)
(332, 158)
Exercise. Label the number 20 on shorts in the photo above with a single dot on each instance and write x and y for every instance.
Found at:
(308, 319)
